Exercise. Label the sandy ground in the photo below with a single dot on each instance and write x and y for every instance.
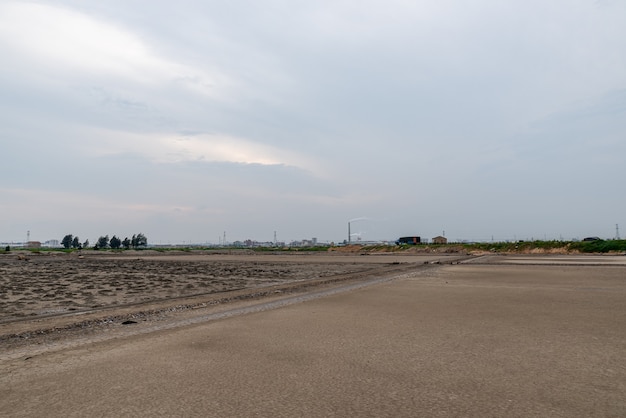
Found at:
(57, 291)
(502, 338)
(55, 284)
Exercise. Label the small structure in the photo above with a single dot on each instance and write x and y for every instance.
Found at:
(440, 240)
(592, 239)
(408, 240)
(33, 244)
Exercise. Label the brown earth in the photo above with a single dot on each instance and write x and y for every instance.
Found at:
(46, 285)
(49, 296)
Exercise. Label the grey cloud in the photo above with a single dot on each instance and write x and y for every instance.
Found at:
(474, 118)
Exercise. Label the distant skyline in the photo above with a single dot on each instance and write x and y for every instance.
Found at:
(186, 120)
(356, 237)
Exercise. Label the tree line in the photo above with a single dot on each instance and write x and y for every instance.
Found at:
(137, 241)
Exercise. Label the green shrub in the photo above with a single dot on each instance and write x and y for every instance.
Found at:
(599, 246)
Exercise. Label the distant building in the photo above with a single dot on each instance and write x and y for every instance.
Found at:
(592, 239)
(408, 240)
(304, 243)
(440, 240)
(33, 244)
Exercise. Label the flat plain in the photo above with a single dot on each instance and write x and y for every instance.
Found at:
(313, 335)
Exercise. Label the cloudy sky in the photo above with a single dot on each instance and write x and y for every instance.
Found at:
(184, 120)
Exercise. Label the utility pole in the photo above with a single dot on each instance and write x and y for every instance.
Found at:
(617, 231)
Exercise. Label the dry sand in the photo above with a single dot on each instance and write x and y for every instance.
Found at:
(495, 339)
(55, 284)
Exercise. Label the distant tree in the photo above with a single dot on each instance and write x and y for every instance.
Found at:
(76, 243)
(103, 242)
(126, 243)
(140, 240)
(115, 242)
(86, 244)
(7, 248)
(67, 241)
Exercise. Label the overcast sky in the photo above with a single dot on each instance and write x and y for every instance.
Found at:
(184, 120)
